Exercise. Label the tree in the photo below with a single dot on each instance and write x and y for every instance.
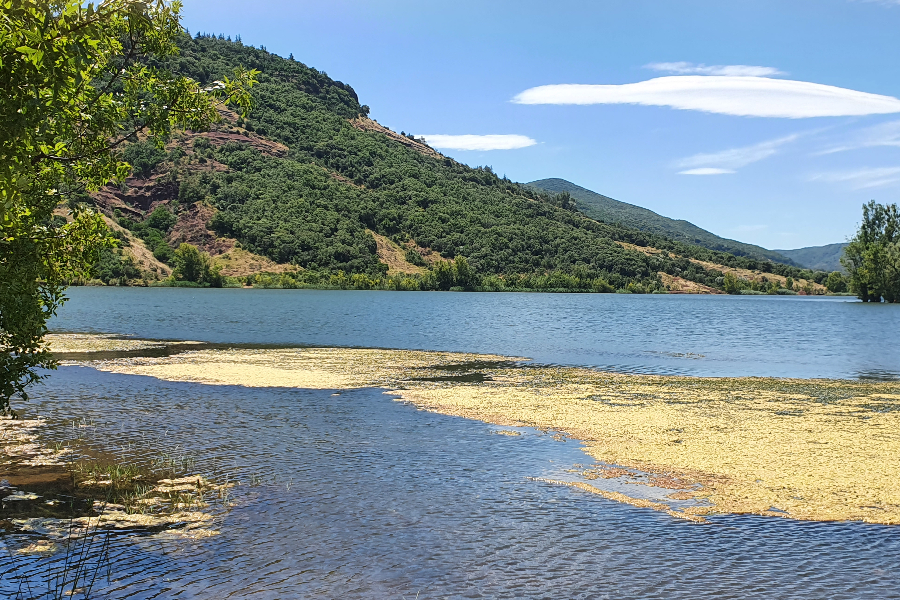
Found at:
(730, 284)
(78, 85)
(872, 257)
(835, 283)
(195, 266)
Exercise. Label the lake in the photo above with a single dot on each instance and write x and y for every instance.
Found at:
(359, 496)
(774, 336)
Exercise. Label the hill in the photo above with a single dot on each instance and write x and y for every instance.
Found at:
(820, 258)
(309, 187)
(608, 210)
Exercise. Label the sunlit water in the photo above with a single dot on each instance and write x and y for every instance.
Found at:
(360, 496)
(780, 336)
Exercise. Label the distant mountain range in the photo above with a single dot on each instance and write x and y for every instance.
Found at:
(608, 210)
(821, 258)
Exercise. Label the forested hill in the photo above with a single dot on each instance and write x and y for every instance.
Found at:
(822, 258)
(309, 182)
(604, 208)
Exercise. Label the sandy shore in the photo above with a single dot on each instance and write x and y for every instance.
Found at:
(805, 449)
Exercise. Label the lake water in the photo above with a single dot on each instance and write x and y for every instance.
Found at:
(360, 496)
(778, 336)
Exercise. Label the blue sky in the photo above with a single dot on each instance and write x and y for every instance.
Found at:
(770, 122)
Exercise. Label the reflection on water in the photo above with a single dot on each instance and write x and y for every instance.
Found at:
(879, 375)
(778, 336)
(360, 496)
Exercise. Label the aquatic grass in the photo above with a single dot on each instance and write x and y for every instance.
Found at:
(85, 553)
(812, 449)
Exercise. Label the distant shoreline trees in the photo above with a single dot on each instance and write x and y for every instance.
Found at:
(872, 258)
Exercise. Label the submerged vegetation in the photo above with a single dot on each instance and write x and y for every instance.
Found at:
(779, 447)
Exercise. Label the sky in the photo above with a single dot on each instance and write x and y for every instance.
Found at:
(765, 121)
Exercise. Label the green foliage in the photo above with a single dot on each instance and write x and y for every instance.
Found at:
(113, 268)
(76, 86)
(161, 219)
(153, 230)
(447, 276)
(821, 258)
(731, 284)
(194, 266)
(836, 283)
(603, 208)
(872, 257)
(312, 206)
(143, 157)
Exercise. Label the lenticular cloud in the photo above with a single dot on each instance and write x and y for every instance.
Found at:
(479, 142)
(739, 96)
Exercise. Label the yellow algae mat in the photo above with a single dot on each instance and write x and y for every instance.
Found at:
(806, 449)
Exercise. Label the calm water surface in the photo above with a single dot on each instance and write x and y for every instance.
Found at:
(365, 497)
(780, 336)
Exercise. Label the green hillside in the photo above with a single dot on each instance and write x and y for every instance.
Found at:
(608, 210)
(306, 178)
(820, 258)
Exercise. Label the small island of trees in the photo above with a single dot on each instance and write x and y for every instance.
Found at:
(872, 258)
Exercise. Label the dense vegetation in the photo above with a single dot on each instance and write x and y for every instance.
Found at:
(604, 208)
(872, 257)
(822, 258)
(76, 87)
(312, 206)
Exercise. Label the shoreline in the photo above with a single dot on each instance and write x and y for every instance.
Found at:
(822, 450)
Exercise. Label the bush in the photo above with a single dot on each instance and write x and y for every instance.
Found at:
(143, 157)
(192, 265)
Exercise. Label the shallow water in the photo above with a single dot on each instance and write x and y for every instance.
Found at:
(361, 496)
(778, 336)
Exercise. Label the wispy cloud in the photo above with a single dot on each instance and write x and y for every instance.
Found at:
(728, 161)
(883, 134)
(686, 68)
(479, 142)
(863, 178)
(739, 96)
(882, 2)
(707, 171)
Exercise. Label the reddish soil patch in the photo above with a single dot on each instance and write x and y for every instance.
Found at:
(428, 255)
(220, 138)
(191, 228)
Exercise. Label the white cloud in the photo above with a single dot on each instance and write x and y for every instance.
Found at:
(864, 178)
(706, 171)
(727, 161)
(479, 142)
(884, 134)
(686, 68)
(740, 96)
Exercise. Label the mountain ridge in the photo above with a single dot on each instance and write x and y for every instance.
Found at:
(609, 210)
(307, 179)
(820, 258)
